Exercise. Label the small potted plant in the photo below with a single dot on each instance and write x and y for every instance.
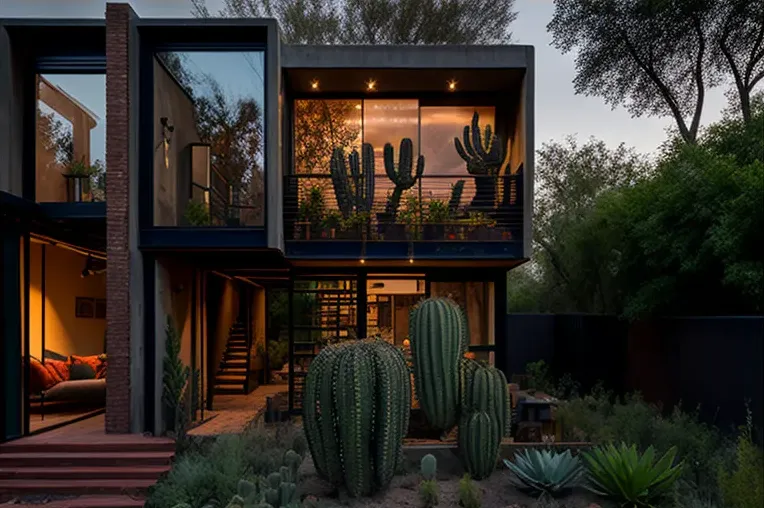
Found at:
(409, 217)
(331, 224)
(197, 214)
(310, 215)
(437, 216)
(78, 174)
(353, 227)
(481, 227)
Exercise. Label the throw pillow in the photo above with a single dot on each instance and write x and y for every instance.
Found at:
(58, 369)
(39, 377)
(79, 371)
(92, 361)
(101, 370)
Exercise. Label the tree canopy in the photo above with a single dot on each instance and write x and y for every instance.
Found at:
(379, 21)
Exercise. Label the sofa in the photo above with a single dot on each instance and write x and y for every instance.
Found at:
(67, 380)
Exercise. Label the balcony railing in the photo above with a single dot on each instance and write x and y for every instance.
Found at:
(225, 204)
(437, 208)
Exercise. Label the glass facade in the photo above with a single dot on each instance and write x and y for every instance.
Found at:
(209, 139)
(70, 140)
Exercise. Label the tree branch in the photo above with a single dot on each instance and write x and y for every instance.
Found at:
(699, 83)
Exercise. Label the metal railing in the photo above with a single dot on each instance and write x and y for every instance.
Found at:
(488, 208)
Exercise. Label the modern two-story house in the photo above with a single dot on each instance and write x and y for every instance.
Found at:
(263, 198)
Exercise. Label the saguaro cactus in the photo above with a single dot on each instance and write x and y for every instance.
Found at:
(358, 194)
(402, 177)
(438, 332)
(456, 197)
(484, 392)
(355, 412)
(484, 156)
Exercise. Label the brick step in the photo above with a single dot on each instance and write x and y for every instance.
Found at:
(236, 355)
(235, 362)
(133, 445)
(95, 502)
(233, 370)
(81, 487)
(83, 473)
(230, 380)
(229, 389)
(236, 349)
(85, 459)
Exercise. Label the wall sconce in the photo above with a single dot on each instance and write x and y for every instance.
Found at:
(167, 131)
(314, 84)
(371, 85)
(452, 86)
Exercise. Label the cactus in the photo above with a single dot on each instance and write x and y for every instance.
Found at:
(357, 196)
(456, 197)
(438, 331)
(292, 460)
(428, 467)
(355, 412)
(479, 440)
(402, 177)
(484, 157)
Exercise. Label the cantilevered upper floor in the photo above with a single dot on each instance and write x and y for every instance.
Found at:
(324, 153)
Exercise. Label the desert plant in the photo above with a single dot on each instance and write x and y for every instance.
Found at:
(357, 196)
(545, 472)
(429, 493)
(484, 157)
(438, 332)
(469, 494)
(437, 211)
(428, 467)
(455, 198)
(479, 441)
(197, 214)
(401, 175)
(622, 474)
(355, 411)
(175, 377)
(743, 485)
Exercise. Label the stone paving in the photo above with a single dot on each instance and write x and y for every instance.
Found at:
(232, 413)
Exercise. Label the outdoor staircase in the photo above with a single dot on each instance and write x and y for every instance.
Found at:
(107, 471)
(231, 377)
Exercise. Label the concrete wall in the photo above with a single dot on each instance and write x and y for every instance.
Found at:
(172, 176)
(64, 332)
(11, 114)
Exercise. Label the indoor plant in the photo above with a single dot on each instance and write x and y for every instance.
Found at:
(78, 174)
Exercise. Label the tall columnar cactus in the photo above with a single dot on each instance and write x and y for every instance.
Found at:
(355, 412)
(401, 175)
(479, 441)
(438, 331)
(456, 197)
(484, 156)
(356, 195)
(484, 392)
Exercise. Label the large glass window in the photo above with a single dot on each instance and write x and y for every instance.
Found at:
(70, 144)
(477, 300)
(209, 139)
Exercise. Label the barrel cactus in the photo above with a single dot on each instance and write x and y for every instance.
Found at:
(438, 331)
(355, 412)
(485, 416)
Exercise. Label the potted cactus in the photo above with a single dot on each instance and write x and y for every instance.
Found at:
(402, 177)
(484, 155)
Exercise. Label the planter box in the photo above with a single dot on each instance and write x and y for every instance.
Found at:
(77, 188)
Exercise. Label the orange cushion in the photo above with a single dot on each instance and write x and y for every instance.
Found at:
(39, 377)
(58, 369)
(92, 361)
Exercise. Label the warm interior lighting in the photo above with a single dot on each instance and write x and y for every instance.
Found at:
(314, 85)
(452, 85)
(411, 260)
(363, 261)
(371, 85)
(357, 106)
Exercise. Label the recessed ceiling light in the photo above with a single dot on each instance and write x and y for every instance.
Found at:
(452, 85)
(357, 106)
(371, 85)
(314, 84)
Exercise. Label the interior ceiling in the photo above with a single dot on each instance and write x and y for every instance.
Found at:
(403, 80)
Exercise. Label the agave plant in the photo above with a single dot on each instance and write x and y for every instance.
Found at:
(544, 472)
(620, 473)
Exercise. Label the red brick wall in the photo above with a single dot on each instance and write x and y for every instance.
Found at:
(117, 217)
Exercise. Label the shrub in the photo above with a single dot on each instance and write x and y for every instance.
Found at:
(544, 472)
(469, 494)
(428, 493)
(743, 485)
(625, 476)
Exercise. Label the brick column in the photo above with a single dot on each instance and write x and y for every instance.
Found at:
(117, 218)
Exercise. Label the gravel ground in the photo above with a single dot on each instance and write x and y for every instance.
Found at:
(497, 493)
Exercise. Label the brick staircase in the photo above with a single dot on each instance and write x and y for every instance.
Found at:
(231, 377)
(108, 471)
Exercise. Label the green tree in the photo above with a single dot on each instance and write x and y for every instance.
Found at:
(379, 21)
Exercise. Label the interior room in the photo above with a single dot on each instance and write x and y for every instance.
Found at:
(67, 334)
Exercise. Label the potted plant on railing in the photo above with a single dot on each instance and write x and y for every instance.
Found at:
(409, 217)
(78, 175)
(310, 215)
(437, 215)
(354, 226)
(404, 176)
(331, 224)
(197, 214)
(481, 227)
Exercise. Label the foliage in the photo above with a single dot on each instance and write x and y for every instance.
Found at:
(197, 214)
(469, 493)
(742, 486)
(428, 493)
(210, 475)
(322, 126)
(539, 377)
(175, 379)
(438, 332)
(621, 473)
(545, 472)
(379, 21)
(455, 198)
(438, 211)
(356, 406)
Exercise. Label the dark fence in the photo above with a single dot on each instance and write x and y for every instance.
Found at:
(714, 363)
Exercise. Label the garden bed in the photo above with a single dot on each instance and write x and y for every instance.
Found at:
(497, 492)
